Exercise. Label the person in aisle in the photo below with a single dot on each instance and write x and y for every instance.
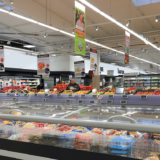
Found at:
(59, 82)
(73, 86)
(40, 86)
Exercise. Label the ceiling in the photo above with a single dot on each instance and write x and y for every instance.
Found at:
(60, 14)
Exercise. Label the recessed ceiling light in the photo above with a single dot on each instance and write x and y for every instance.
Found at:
(29, 46)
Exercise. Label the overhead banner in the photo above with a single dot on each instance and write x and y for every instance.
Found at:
(2, 67)
(43, 65)
(93, 59)
(127, 46)
(79, 28)
(79, 69)
(110, 72)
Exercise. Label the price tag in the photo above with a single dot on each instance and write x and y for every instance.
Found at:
(109, 102)
(91, 102)
(58, 95)
(123, 106)
(35, 94)
(68, 101)
(94, 96)
(16, 94)
(111, 96)
(123, 102)
(143, 96)
(83, 95)
(44, 99)
(81, 102)
(70, 95)
(124, 96)
(26, 94)
(8, 94)
(14, 99)
(46, 95)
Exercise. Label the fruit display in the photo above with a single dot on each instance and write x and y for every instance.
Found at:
(67, 92)
(109, 93)
(54, 92)
(81, 92)
(156, 93)
(98, 93)
(144, 92)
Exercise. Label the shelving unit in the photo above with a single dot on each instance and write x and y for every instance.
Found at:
(147, 82)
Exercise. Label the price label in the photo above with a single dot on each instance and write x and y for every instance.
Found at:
(58, 95)
(14, 99)
(91, 102)
(46, 95)
(94, 96)
(68, 101)
(123, 102)
(8, 94)
(124, 96)
(83, 95)
(81, 102)
(26, 94)
(123, 106)
(109, 102)
(44, 99)
(111, 96)
(16, 94)
(70, 95)
(143, 96)
(35, 94)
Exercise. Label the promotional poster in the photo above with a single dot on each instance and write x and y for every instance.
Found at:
(43, 65)
(2, 67)
(93, 59)
(79, 69)
(79, 28)
(127, 46)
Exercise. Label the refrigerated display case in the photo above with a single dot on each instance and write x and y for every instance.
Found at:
(102, 129)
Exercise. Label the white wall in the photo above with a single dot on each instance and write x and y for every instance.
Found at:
(18, 59)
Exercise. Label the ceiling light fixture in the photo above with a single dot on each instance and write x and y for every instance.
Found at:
(73, 31)
(96, 28)
(89, 41)
(22, 17)
(87, 45)
(157, 19)
(142, 49)
(11, 1)
(29, 46)
(53, 55)
(45, 35)
(116, 22)
(146, 51)
(130, 52)
(8, 42)
(128, 23)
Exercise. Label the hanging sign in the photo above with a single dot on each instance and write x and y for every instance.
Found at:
(43, 65)
(79, 28)
(2, 68)
(127, 46)
(93, 59)
(79, 69)
(110, 72)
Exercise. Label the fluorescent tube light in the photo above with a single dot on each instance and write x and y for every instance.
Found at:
(22, 17)
(69, 34)
(47, 26)
(29, 46)
(2, 10)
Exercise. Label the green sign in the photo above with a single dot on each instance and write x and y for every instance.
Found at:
(79, 28)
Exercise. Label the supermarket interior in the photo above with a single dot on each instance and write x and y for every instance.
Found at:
(79, 77)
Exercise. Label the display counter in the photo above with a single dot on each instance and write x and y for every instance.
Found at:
(74, 124)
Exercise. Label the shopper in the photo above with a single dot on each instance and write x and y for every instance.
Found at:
(40, 86)
(59, 82)
(73, 86)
